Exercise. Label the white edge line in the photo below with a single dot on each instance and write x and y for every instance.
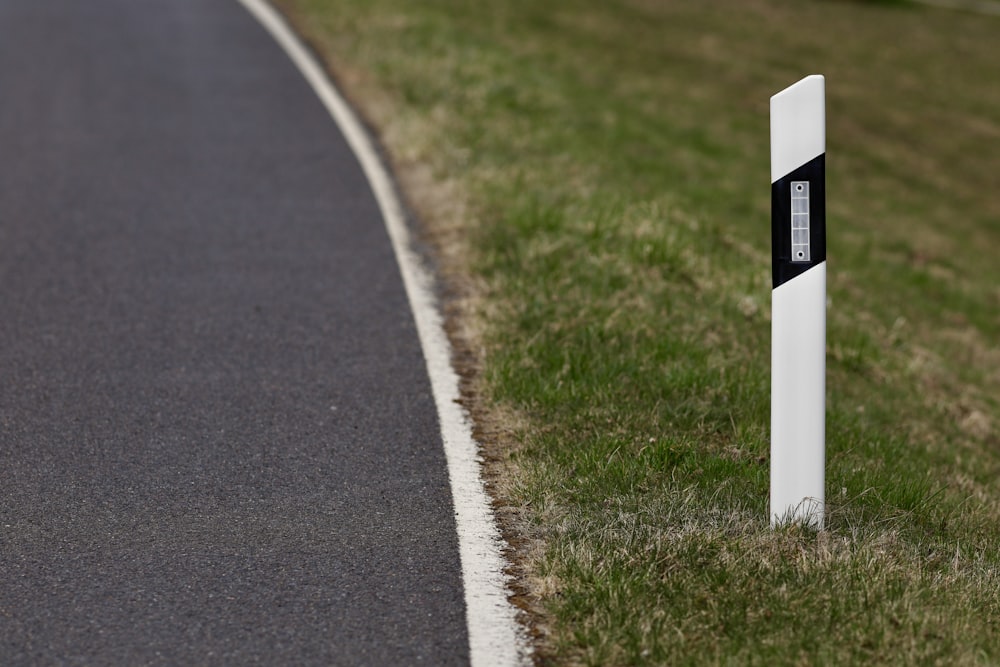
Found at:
(495, 636)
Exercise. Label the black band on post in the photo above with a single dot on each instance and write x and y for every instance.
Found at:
(785, 264)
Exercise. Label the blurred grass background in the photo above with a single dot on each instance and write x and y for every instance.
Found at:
(593, 178)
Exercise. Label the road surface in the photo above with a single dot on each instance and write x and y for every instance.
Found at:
(218, 443)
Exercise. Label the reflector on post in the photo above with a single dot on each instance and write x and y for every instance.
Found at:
(798, 303)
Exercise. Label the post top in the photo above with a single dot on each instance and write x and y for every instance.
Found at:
(798, 125)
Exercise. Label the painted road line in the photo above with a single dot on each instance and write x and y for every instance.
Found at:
(495, 637)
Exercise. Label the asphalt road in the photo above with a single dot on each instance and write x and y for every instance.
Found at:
(218, 443)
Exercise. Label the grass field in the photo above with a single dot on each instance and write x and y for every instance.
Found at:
(592, 177)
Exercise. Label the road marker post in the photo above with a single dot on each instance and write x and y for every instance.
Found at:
(798, 303)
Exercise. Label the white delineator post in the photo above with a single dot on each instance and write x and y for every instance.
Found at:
(798, 303)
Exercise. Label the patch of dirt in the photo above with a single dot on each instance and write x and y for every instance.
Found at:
(442, 221)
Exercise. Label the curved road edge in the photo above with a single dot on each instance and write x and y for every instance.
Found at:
(495, 636)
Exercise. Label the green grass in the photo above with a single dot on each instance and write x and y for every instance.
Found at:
(593, 176)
